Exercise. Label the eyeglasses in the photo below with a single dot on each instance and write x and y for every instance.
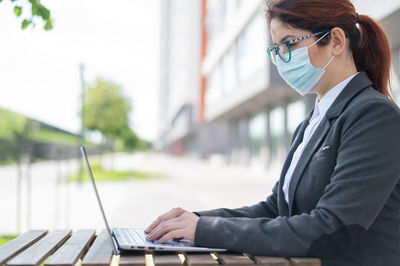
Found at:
(283, 50)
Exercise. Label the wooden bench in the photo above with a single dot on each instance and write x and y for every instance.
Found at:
(62, 247)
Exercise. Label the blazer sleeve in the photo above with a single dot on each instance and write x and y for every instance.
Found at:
(367, 171)
(266, 208)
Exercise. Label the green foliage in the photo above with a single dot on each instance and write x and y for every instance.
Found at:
(17, 10)
(100, 175)
(25, 23)
(15, 128)
(37, 10)
(44, 135)
(5, 239)
(12, 125)
(130, 140)
(107, 110)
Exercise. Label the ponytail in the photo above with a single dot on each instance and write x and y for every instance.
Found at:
(372, 54)
(368, 43)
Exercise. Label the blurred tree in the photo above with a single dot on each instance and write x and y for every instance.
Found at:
(12, 125)
(106, 109)
(130, 140)
(36, 10)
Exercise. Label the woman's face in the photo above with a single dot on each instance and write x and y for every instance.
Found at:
(319, 55)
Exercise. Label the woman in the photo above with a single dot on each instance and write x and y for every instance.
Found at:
(338, 197)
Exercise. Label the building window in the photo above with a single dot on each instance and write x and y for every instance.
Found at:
(229, 63)
(277, 131)
(295, 115)
(230, 8)
(214, 86)
(257, 133)
(214, 21)
(252, 43)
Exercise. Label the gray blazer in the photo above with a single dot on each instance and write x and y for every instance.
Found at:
(344, 196)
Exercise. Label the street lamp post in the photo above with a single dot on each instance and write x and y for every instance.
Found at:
(82, 139)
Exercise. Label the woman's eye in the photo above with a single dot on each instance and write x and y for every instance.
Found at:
(293, 45)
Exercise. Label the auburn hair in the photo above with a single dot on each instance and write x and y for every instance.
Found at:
(368, 42)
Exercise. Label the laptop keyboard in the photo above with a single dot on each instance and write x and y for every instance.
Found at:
(138, 237)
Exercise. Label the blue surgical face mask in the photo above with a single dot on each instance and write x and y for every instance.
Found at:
(299, 73)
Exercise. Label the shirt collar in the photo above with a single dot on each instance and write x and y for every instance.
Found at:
(322, 105)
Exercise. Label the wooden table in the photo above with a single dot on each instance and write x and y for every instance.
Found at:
(62, 247)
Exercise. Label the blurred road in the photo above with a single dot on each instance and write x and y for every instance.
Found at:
(190, 183)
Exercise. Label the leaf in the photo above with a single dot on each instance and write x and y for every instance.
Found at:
(49, 24)
(41, 11)
(25, 23)
(17, 10)
(34, 7)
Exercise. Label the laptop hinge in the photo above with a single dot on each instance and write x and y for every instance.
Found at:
(116, 249)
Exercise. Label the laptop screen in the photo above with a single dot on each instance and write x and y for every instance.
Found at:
(86, 161)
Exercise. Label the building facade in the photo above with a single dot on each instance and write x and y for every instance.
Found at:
(241, 109)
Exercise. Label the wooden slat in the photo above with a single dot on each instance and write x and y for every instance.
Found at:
(192, 259)
(166, 259)
(38, 252)
(15, 246)
(271, 261)
(234, 259)
(101, 252)
(133, 258)
(305, 262)
(73, 249)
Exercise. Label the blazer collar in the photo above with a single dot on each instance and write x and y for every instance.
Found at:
(357, 84)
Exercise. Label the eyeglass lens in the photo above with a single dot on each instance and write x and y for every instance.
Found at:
(283, 51)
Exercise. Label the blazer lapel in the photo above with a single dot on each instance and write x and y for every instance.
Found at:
(309, 150)
(282, 205)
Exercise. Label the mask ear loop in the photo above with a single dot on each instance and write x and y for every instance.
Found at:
(319, 39)
(330, 60)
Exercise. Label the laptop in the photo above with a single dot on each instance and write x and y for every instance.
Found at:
(135, 239)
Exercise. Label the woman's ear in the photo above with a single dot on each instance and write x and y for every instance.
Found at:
(337, 41)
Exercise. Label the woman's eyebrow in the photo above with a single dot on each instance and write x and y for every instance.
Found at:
(284, 38)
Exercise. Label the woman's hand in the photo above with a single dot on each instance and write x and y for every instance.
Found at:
(175, 224)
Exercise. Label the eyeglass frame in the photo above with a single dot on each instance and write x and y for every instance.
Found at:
(288, 43)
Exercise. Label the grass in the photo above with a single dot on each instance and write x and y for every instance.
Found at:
(5, 239)
(100, 175)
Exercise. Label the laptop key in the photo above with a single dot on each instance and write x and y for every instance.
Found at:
(137, 239)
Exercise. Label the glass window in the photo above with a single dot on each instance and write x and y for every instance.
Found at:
(214, 21)
(229, 70)
(230, 10)
(277, 130)
(251, 47)
(214, 90)
(257, 132)
(296, 112)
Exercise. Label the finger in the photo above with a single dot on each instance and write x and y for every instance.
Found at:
(153, 225)
(162, 229)
(175, 212)
(158, 221)
(175, 234)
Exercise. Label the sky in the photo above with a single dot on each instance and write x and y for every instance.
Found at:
(117, 40)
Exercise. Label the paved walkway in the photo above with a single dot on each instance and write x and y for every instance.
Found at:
(190, 183)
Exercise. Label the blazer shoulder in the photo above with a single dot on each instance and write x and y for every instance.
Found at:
(370, 97)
